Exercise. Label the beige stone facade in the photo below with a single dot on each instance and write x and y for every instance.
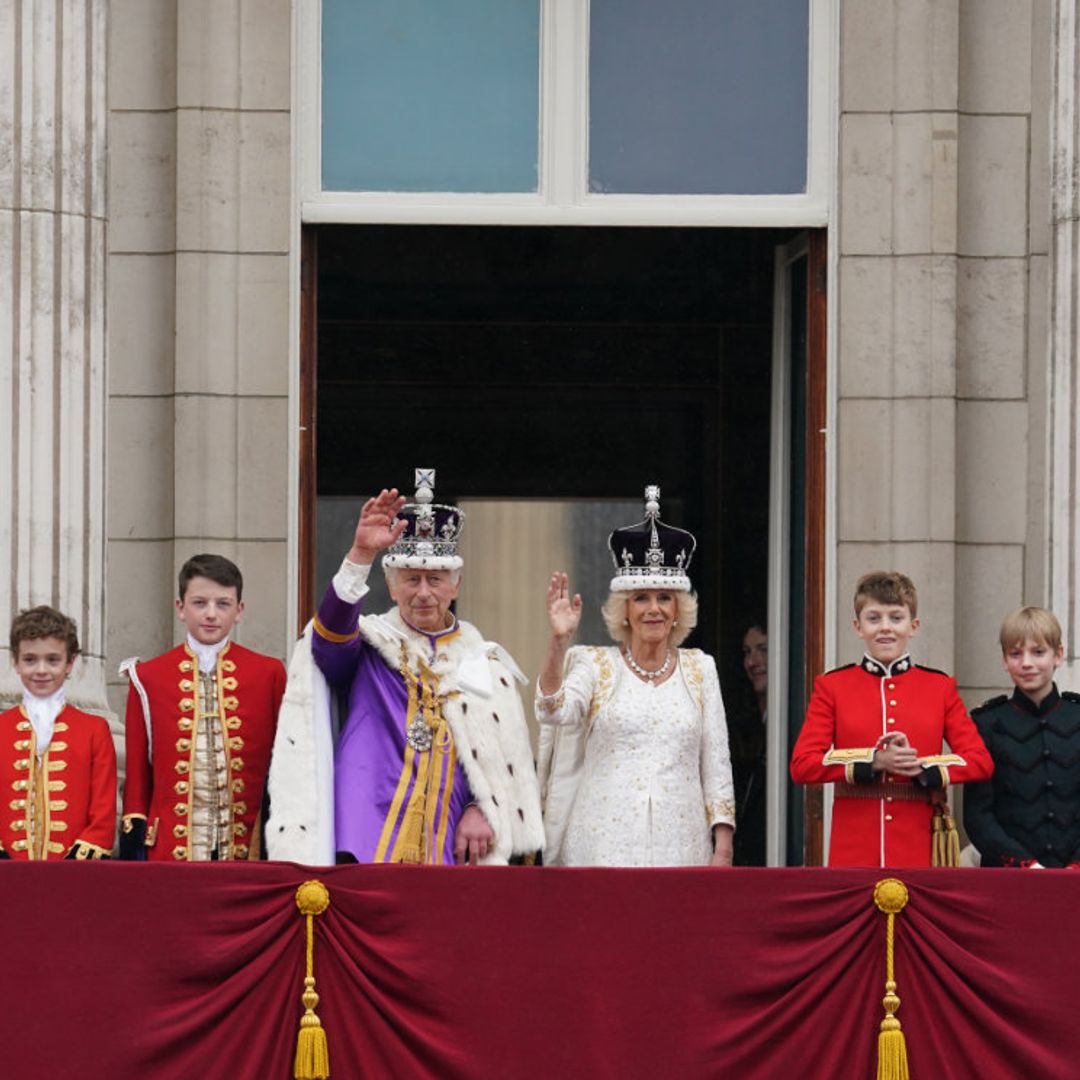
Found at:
(200, 212)
(953, 450)
(944, 235)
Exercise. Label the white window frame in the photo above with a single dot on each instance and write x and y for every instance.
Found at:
(563, 197)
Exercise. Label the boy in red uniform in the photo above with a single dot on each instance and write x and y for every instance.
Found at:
(875, 730)
(57, 764)
(199, 727)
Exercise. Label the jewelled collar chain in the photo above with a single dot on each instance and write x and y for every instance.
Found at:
(648, 675)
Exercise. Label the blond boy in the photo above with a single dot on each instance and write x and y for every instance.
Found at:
(1029, 814)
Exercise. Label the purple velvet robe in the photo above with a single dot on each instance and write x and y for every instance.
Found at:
(370, 753)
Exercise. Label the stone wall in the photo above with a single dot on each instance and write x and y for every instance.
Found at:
(200, 211)
(943, 235)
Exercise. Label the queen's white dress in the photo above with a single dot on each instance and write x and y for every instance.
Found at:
(633, 774)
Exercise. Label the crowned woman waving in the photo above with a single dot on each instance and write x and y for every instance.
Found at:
(634, 764)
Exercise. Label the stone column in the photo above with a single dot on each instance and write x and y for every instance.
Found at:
(896, 381)
(52, 323)
(1063, 471)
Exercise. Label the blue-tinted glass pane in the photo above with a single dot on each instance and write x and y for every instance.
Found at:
(430, 95)
(698, 97)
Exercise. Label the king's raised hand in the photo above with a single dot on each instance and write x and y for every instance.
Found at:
(378, 527)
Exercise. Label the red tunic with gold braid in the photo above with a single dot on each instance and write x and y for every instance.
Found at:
(879, 819)
(63, 803)
(159, 783)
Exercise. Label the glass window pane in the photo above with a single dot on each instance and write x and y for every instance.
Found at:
(698, 97)
(425, 95)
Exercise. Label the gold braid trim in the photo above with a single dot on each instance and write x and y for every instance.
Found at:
(128, 821)
(331, 635)
(848, 755)
(941, 759)
(418, 827)
(83, 849)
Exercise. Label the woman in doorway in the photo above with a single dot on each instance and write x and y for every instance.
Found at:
(747, 730)
(634, 761)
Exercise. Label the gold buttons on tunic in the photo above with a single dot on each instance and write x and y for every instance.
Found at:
(888, 817)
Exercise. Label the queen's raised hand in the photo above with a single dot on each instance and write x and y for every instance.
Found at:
(563, 610)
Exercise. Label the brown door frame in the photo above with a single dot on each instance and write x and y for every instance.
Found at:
(814, 480)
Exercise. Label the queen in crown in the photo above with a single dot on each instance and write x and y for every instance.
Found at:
(634, 765)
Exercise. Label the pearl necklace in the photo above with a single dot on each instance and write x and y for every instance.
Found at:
(639, 670)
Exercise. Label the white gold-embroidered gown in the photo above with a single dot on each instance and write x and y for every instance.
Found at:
(634, 774)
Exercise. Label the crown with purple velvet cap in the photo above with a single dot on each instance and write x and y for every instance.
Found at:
(430, 539)
(650, 554)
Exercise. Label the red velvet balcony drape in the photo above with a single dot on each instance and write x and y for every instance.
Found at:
(174, 973)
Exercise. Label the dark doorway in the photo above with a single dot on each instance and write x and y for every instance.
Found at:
(560, 363)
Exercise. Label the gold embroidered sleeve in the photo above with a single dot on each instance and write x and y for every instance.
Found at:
(942, 759)
(849, 755)
(549, 703)
(720, 812)
(83, 849)
(331, 635)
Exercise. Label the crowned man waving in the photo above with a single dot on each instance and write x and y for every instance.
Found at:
(432, 762)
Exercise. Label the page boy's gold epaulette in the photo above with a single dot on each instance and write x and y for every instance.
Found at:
(990, 703)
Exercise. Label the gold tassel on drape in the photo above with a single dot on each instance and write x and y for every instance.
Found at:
(891, 896)
(312, 1056)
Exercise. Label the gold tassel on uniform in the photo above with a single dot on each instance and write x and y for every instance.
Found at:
(312, 1055)
(891, 896)
(944, 838)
